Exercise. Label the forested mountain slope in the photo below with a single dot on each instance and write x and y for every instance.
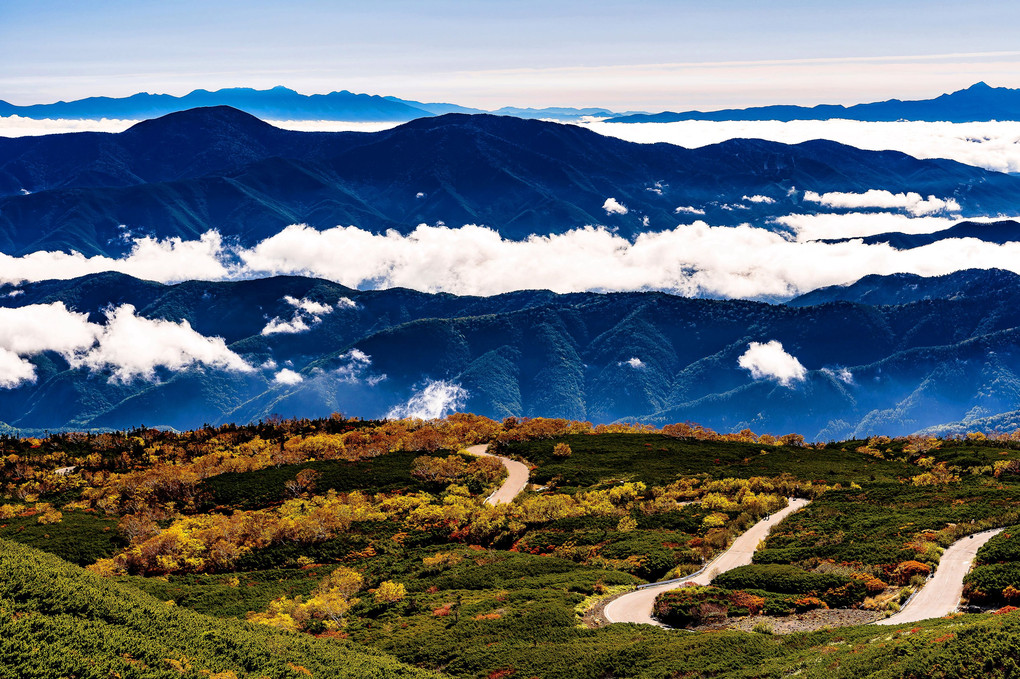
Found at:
(902, 354)
(221, 169)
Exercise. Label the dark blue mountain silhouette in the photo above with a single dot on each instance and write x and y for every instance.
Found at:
(220, 168)
(278, 103)
(1002, 231)
(923, 353)
(979, 102)
(904, 288)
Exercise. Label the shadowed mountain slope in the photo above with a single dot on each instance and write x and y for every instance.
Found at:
(218, 168)
(947, 351)
(1003, 231)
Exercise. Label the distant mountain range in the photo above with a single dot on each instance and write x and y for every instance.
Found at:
(278, 103)
(905, 288)
(942, 350)
(219, 168)
(979, 102)
(1002, 231)
(889, 355)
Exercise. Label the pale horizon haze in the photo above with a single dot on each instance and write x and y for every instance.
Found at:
(645, 55)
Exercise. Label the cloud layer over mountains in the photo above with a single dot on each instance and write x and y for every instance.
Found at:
(297, 345)
(695, 259)
(991, 145)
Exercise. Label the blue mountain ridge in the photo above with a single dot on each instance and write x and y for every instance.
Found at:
(278, 103)
(1000, 231)
(977, 103)
(219, 168)
(945, 351)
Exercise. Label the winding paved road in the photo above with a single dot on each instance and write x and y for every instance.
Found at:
(515, 481)
(637, 606)
(941, 595)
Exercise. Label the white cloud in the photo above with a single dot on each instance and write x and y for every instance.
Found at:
(132, 346)
(288, 377)
(354, 369)
(991, 145)
(645, 221)
(166, 261)
(308, 306)
(614, 207)
(878, 198)
(842, 374)
(766, 200)
(14, 370)
(695, 259)
(308, 313)
(278, 326)
(36, 328)
(128, 345)
(635, 363)
(18, 126)
(770, 361)
(688, 210)
(419, 195)
(692, 259)
(434, 400)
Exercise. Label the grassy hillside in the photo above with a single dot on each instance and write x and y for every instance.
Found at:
(61, 621)
(345, 548)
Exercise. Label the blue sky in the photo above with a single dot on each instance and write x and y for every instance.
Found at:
(646, 54)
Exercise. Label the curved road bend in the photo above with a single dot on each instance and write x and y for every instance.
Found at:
(637, 606)
(515, 481)
(941, 595)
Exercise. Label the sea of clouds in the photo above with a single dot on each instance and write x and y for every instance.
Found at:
(695, 259)
(991, 145)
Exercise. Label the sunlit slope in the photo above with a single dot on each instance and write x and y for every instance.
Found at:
(60, 620)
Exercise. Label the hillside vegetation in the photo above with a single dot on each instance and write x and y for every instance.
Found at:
(341, 547)
(59, 620)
